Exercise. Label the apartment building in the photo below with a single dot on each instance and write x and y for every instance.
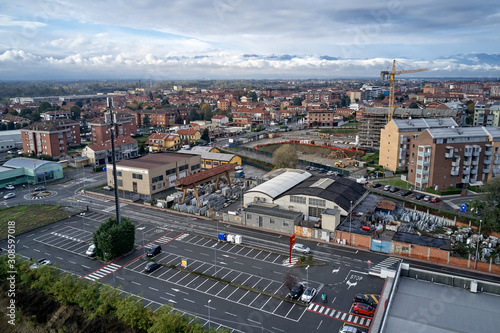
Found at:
(51, 137)
(486, 114)
(125, 125)
(323, 117)
(163, 141)
(444, 157)
(396, 135)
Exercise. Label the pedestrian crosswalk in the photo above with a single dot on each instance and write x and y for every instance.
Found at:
(112, 208)
(339, 315)
(100, 273)
(287, 262)
(385, 264)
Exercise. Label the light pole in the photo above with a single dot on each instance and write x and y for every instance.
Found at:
(83, 223)
(307, 276)
(209, 327)
(215, 249)
(477, 245)
(142, 229)
(350, 221)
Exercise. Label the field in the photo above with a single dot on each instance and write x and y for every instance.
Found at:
(27, 218)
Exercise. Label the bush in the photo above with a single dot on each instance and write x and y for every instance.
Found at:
(113, 240)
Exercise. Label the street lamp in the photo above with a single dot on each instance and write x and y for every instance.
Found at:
(477, 245)
(350, 221)
(209, 328)
(142, 229)
(307, 276)
(215, 249)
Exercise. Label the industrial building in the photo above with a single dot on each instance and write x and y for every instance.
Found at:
(23, 170)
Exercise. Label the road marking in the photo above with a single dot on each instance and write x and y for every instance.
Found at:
(137, 283)
(231, 314)
(36, 250)
(72, 262)
(153, 289)
(256, 267)
(240, 263)
(59, 258)
(188, 300)
(87, 267)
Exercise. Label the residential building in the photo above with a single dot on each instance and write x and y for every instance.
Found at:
(220, 120)
(189, 135)
(124, 125)
(396, 135)
(153, 173)
(158, 142)
(444, 157)
(101, 153)
(51, 137)
(211, 159)
(486, 114)
(59, 114)
(323, 117)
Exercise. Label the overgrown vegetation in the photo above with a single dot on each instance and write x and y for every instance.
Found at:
(98, 301)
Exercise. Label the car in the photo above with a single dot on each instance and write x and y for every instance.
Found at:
(154, 251)
(308, 167)
(308, 295)
(393, 189)
(375, 185)
(297, 247)
(9, 187)
(387, 187)
(350, 329)
(435, 199)
(40, 263)
(362, 298)
(296, 291)
(419, 196)
(427, 198)
(363, 309)
(40, 189)
(151, 267)
(9, 195)
(90, 251)
(108, 188)
(406, 193)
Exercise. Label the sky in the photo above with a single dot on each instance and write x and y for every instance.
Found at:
(231, 39)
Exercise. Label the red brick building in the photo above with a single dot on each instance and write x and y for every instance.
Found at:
(51, 137)
(125, 125)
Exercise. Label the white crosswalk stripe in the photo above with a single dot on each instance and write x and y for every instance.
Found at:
(102, 272)
(386, 263)
(288, 264)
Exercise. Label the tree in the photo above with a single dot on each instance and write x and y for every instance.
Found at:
(79, 103)
(413, 105)
(206, 111)
(487, 206)
(164, 101)
(345, 101)
(381, 96)
(297, 101)
(75, 112)
(289, 280)
(179, 120)
(146, 120)
(285, 157)
(44, 107)
(194, 115)
(112, 240)
(205, 135)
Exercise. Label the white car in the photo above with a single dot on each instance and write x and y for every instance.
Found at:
(9, 195)
(40, 262)
(90, 251)
(308, 295)
(10, 187)
(297, 247)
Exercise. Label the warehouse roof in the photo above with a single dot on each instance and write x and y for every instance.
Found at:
(280, 184)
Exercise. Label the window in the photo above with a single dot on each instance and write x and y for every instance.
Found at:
(119, 173)
(249, 216)
(297, 199)
(170, 171)
(183, 167)
(157, 179)
(136, 176)
(195, 166)
(271, 221)
(119, 182)
(153, 187)
(286, 223)
(317, 202)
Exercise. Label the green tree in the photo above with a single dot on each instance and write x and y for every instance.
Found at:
(206, 111)
(381, 96)
(487, 206)
(44, 107)
(194, 115)
(76, 112)
(164, 101)
(345, 101)
(5, 101)
(297, 101)
(79, 103)
(285, 157)
(113, 240)
(413, 105)
(146, 120)
(205, 135)
(11, 125)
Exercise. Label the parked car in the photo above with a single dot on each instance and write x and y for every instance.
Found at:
(40, 188)
(393, 189)
(406, 193)
(108, 188)
(419, 196)
(350, 329)
(387, 187)
(297, 247)
(154, 251)
(362, 298)
(308, 295)
(363, 309)
(151, 267)
(90, 251)
(9, 187)
(9, 195)
(296, 291)
(427, 198)
(375, 185)
(40, 262)
(435, 199)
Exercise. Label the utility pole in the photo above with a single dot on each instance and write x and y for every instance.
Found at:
(350, 221)
(110, 119)
(477, 245)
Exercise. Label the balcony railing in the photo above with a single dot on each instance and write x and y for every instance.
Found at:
(476, 162)
(488, 152)
(465, 179)
(473, 171)
(454, 172)
(455, 163)
(486, 169)
(476, 152)
(487, 161)
(466, 170)
(496, 160)
(467, 161)
(448, 154)
(468, 153)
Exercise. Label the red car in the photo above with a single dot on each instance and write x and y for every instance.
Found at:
(435, 199)
(363, 309)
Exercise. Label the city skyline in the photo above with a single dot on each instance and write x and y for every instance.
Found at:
(227, 39)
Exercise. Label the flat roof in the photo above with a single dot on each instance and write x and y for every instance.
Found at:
(424, 306)
(151, 161)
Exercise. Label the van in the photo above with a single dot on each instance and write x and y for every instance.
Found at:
(90, 251)
(154, 251)
(387, 187)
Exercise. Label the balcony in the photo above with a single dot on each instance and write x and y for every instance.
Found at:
(425, 172)
(467, 162)
(473, 171)
(496, 160)
(448, 154)
(468, 152)
(475, 162)
(465, 179)
(473, 180)
(496, 171)
(488, 152)
(455, 163)
(476, 152)
(426, 162)
(426, 153)
(466, 171)
(486, 169)
(454, 172)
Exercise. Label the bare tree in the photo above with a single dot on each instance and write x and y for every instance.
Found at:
(289, 280)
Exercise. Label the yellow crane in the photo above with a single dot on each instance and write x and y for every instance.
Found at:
(390, 75)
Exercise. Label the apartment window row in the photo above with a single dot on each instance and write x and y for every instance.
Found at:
(183, 167)
(297, 199)
(157, 179)
(317, 202)
(170, 171)
(195, 167)
(137, 176)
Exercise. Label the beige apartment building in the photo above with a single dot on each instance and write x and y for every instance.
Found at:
(396, 135)
(444, 157)
(153, 173)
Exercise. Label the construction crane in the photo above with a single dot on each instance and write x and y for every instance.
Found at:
(390, 75)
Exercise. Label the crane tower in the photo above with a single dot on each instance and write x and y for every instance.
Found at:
(390, 75)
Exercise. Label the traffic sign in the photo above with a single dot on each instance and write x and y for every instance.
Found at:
(463, 208)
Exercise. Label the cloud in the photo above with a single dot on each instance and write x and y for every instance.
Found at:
(7, 21)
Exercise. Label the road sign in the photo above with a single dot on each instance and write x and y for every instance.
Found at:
(184, 263)
(463, 208)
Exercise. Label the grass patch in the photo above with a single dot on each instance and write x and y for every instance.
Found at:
(30, 217)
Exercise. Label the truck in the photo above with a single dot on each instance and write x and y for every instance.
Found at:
(340, 164)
